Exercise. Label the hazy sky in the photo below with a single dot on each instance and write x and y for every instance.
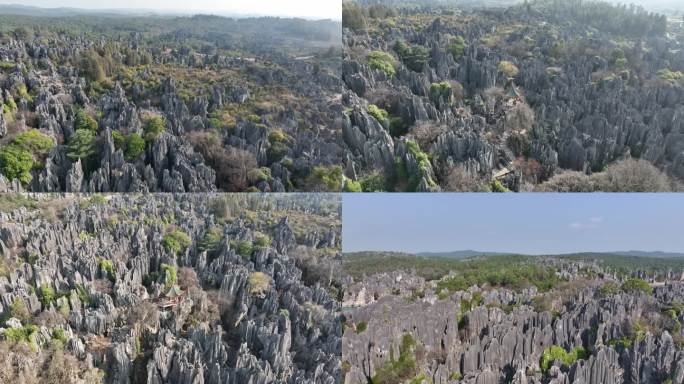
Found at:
(320, 9)
(524, 223)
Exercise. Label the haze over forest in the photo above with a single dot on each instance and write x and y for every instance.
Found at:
(309, 9)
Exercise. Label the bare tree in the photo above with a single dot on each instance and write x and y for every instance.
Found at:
(633, 175)
(459, 179)
(187, 278)
(426, 133)
(145, 314)
(520, 118)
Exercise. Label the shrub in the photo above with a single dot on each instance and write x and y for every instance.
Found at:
(34, 141)
(170, 275)
(135, 145)
(210, 241)
(277, 136)
(378, 113)
(352, 186)
(176, 241)
(457, 47)
(459, 179)
(325, 179)
(423, 166)
(401, 369)
(608, 289)
(398, 127)
(91, 67)
(21, 335)
(243, 248)
(632, 175)
(496, 186)
(414, 57)
(361, 327)
(59, 335)
(16, 163)
(382, 61)
(568, 181)
(667, 75)
(374, 182)
(19, 310)
(84, 121)
(440, 91)
(47, 294)
(94, 200)
(508, 68)
(107, 266)
(259, 283)
(262, 241)
(22, 154)
(119, 140)
(555, 352)
(10, 103)
(257, 175)
(154, 127)
(635, 285)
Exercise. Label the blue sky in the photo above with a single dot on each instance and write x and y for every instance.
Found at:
(523, 223)
(318, 9)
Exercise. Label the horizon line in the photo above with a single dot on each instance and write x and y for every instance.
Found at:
(514, 252)
(169, 12)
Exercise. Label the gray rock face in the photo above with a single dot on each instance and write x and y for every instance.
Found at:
(501, 338)
(3, 126)
(586, 112)
(224, 116)
(195, 314)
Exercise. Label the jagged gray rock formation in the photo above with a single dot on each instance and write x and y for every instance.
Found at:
(495, 335)
(137, 299)
(592, 101)
(264, 122)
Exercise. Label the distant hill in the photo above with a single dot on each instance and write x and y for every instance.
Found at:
(649, 254)
(463, 254)
(25, 10)
(435, 265)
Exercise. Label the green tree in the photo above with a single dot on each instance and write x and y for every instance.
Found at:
(635, 285)
(16, 163)
(414, 57)
(176, 241)
(91, 67)
(47, 294)
(378, 113)
(381, 61)
(262, 241)
(154, 127)
(457, 47)
(34, 141)
(82, 146)
(170, 275)
(508, 68)
(326, 178)
(135, 145)
(84, 121)
(353, 16)
(441, 91)
(19, 310)
(352, 186)
(555, 352)
(23, 153)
